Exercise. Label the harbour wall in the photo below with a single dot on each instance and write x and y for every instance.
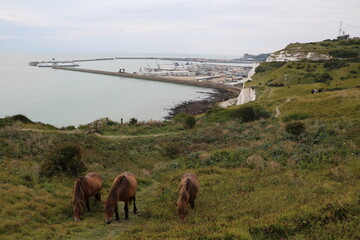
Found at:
(154, 78)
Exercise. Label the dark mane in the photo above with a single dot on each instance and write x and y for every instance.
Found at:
(78, 192)
(116, 185)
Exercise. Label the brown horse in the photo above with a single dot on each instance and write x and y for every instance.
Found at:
(123, 189)
(188, 189)
(85, 187)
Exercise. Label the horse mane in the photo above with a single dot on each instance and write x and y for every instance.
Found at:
(183, 195)
(78, 192)
(115, 185)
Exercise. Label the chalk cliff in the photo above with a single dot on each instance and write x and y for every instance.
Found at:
(285, 56)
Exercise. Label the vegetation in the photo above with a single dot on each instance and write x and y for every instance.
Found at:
(295, 128)
(190, 122)
(294, 176)
(64, 159)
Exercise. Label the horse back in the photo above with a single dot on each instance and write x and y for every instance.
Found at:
(192, 183)
(129, 185)
(91, 184)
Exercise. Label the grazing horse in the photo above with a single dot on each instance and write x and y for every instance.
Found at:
(188, 189)
(85, 187)
(123, 189)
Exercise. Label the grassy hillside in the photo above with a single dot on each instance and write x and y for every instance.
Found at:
(328, 46)
(259, 178)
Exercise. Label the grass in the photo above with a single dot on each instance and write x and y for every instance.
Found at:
(257, 180)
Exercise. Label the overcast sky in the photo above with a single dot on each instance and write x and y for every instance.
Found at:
(221, 27)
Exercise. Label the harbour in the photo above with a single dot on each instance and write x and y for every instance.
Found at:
(64, 98)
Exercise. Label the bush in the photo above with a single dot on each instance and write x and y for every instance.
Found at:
(295, 128)
(323, 77)
(249, 113)
(133, 121)
(181, 117)
(343, 54)
(64, 159)
(21, 118)
(260, 69)
(335, 64)
(190, 122)
(171, 150)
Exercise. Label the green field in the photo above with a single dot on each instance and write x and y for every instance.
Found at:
(258, 180)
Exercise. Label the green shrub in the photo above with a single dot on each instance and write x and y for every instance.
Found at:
(190, 122)
(275, 84)
(133, 121)
(171, 149)
(181, 117)
(343, 54)
(335, 64)
(295, 128)
(260, 69)
(323, 77)
(64, 159)
(249, 113)
(20, 118)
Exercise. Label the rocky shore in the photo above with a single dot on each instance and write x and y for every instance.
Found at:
(198, 107)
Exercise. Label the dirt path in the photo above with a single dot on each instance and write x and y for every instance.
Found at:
(278, 113)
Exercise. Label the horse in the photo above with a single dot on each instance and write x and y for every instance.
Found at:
(188, 189)
(85, 187)
(123, 189)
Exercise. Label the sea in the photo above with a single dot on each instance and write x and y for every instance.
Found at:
(64, 98)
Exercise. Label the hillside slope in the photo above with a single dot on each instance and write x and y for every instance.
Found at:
(315, 51)
(293, 176)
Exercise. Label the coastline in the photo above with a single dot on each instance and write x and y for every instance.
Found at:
(222, 92)
(202, 106)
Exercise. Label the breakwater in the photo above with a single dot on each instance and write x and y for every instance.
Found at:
(155, 78)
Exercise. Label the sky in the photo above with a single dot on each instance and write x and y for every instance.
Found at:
(186, 27)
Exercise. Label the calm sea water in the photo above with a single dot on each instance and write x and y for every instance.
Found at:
(65, 98)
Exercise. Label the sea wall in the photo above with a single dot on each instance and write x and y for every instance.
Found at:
(155, 78)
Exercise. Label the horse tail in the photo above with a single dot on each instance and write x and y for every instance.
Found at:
(188, 182)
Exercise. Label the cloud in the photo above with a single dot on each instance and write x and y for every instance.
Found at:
(203, 25)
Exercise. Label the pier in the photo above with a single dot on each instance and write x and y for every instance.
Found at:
(155, 78)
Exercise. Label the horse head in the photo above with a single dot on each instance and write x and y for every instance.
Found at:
(109, 210)
(78, 208)
(182, 206)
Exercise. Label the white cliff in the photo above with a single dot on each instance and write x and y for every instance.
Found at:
(286, 56)
(246, 95)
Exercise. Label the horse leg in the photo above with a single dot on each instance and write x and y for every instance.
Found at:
(116, 213)
(87, 203)
(192, 204)
(126, 209)
(98, 197)
(135, 208)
